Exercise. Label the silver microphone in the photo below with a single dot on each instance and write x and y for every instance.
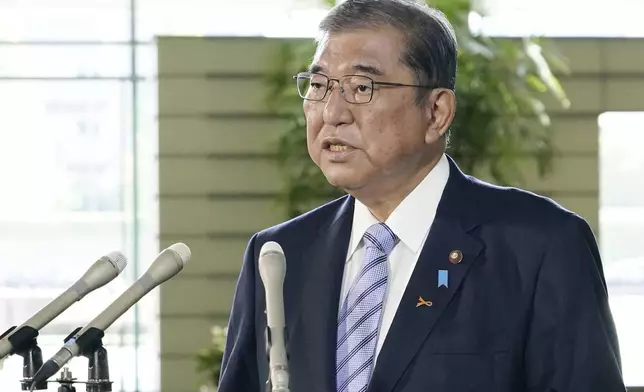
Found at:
(167, 264)
(272, 269)
(103, 271)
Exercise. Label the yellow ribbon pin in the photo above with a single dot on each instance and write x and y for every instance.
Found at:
(422, 302)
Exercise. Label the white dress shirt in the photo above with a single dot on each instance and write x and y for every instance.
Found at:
(410, 221)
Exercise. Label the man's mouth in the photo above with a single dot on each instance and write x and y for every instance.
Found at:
(338, 147)
(338, 151)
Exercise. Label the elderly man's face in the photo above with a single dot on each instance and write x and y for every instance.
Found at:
(368, 147)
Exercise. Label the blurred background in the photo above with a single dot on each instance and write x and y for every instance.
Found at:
(133, 124)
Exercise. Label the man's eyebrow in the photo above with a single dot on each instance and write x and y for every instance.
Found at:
(315, 68)
(370, 69)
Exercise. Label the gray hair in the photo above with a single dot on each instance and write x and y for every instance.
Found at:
(430, 48)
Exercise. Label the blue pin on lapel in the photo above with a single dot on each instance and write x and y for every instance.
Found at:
(442, 278)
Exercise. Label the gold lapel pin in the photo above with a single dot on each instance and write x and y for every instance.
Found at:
(422, 302)
(455, 256)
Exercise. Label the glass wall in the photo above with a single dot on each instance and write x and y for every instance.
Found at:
(621, 220)
(77, 166)
(619, 18)
(78, 127)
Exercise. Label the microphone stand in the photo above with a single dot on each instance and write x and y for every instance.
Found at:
(66, 381)
(98, 372)
(98, 368)
(25, 345)
(267, 339)
(279, 373)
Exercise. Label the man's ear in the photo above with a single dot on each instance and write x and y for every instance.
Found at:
(440, 109)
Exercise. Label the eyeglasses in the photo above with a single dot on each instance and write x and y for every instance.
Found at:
(356, 89)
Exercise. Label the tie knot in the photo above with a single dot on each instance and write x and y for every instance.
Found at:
(381, 236)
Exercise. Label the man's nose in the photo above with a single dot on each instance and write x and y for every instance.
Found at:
(336, 109)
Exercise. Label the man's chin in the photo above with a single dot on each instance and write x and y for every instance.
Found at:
(343, 180)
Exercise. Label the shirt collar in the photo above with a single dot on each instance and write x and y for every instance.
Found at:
(413, 217)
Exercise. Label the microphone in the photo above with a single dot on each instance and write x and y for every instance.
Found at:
(99, 274)
(272, 269)
(166, 265)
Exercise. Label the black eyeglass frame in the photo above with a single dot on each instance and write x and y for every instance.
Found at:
(329, 80)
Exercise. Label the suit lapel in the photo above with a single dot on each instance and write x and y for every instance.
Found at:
(314, 333)
(424, 301)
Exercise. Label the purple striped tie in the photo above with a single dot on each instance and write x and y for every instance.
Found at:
(359, 317)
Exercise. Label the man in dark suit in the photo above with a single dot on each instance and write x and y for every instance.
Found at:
(422, 278)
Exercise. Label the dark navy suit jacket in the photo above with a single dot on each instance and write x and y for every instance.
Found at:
(526, 309)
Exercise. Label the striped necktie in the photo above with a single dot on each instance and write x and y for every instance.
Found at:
(359, 317)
